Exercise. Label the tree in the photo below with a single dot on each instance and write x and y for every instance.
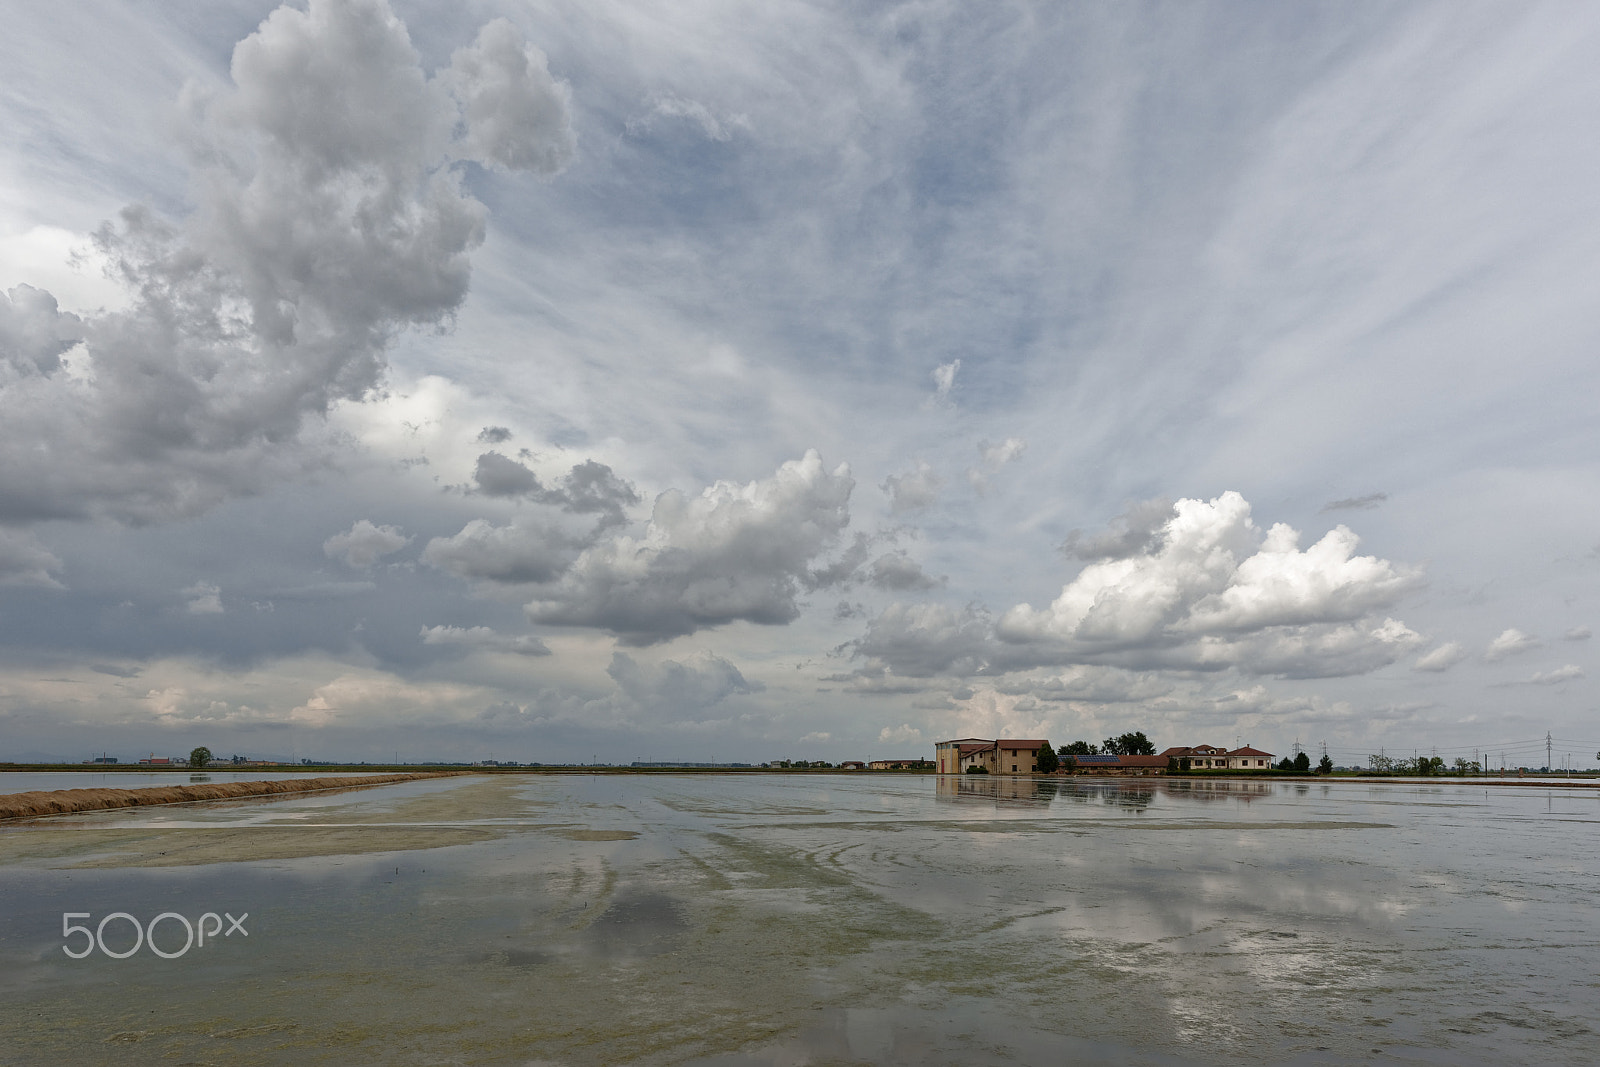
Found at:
(977, 768)
(1134, 744)
(1286, 764)
(1326, 766)
(1302, 763)
(1069, 763)
(1046, 759)
(1172, 764)
(1080, 748)
(200, 757)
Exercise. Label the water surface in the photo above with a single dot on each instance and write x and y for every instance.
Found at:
(704, 919)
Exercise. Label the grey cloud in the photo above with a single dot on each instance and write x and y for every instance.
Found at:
(498, 475)
(517, 115)
(494, 435)
(1356, 503)
(485, 639)
(915, 489)
(203, 598)
(898, 572)
(328, 220)
(34, 332)
(593, 488)
(1137, 531)
(521, 552)
(924, 640)
(1578, 633)
(735, 552)
(25, 562)
(589, 488)
(364, 544)
(674, 686)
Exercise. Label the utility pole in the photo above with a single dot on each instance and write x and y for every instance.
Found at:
(1547, 764)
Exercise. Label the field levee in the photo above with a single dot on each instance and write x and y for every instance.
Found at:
(67, 801)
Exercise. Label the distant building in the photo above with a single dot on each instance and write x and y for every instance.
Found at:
(1005, 756)
(1210, 757)
(1119, 765)
(852, 765)
(154, 760)
(900, 764)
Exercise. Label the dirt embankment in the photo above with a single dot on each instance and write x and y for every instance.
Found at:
(63, 801)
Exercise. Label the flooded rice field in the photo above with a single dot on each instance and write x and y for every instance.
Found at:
(810, 919)
(28, 781)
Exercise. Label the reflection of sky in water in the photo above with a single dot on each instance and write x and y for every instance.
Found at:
(823, 918)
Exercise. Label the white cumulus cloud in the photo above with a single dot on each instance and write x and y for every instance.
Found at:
(1511, 642)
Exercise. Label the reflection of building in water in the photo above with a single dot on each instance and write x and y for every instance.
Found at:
(1006, 756)
(999, 789)
(1215, 789)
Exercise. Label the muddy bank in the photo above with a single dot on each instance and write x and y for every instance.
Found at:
(65, 801)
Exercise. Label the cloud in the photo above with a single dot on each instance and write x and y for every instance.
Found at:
(1578, 633)
(898, 572)
(735, 552)
(1137, 531)
(1511, 642)
(679, 687)
(589, 488)
(516, 115)
(497, 475)
(203, 598)
(915, 489)
(328, 218)
(1356, 503)
(25, 562)
(485, 639)
(364, 544)
(34, 333)
(1210, 593)
(666, 105)
(494, 435)
(1007, 451)
(523, 551)
(904, 734)
(1442, 658)
(1213, 574)
(944, 379)
(1567, 673)
(994, 457)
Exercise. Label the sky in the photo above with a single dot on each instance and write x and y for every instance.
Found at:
(727, 381)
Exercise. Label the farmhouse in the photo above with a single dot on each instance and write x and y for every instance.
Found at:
(1209, 757)
(1005, 756)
